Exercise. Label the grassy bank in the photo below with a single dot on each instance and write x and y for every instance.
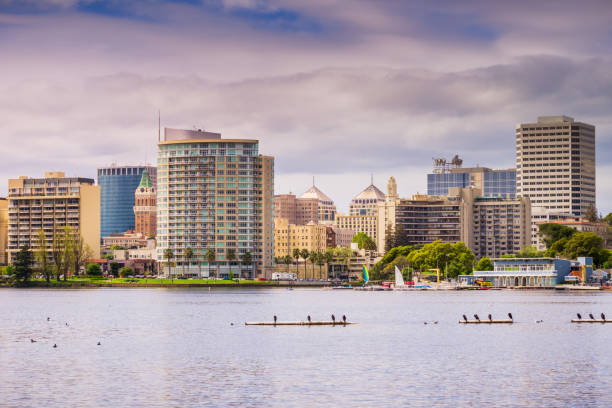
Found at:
(84, 282)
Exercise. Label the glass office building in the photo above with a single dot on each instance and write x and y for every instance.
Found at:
(118, 185)
(492, 183)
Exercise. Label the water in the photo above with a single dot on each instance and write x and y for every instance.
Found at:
(177, 348)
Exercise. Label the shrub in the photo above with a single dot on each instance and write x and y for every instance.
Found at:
(126, 271)
(93, 269)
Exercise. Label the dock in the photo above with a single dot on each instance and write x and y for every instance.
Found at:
(591, 321)
(326, 323)
(486, 321)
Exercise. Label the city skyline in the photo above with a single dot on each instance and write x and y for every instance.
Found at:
(313, 82)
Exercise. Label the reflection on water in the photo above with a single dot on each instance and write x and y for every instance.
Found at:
(177, 347)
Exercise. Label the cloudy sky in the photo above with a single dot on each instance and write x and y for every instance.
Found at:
(336, 89)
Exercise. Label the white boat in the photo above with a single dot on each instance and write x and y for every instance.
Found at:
(401, 285)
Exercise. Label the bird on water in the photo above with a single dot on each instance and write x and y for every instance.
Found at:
(274, 319)
(308, 318)
(32, 341)
(344, 318)
(55, 346)
(99, 344)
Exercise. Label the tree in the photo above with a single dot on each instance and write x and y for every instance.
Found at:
(93, 269)
(304, 253)
(484, 264)
(114, 269)
(24, 259)
(608, 219)
(81, 252)
(168, 254)
(210, 258)
(247, 260)
(328, 256)
(231, 256)
(287, 259)
(389, 238)
(296, 255)
(58, 253)
(312, 256)
(551, 232)
(364, 241)
(400, 237)
(591, 213)
(529, 252)
(42, 257)
(126, 271)
(456, 259)
(320, 260)
(585, 244)
(188, 255)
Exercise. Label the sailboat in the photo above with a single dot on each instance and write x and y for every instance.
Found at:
(401, 285)
(366, 278)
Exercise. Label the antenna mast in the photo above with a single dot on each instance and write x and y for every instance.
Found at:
(158, 126)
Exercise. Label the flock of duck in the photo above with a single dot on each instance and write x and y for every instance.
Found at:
(55, 344)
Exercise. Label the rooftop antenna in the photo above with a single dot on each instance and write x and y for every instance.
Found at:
(372, 179)
(313, 183)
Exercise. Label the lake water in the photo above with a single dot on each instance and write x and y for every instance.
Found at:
(177, 348)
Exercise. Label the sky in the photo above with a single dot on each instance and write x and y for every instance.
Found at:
(338, 90)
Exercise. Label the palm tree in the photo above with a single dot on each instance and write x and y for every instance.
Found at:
(287, 260)
(304, 253)
(188, 255)
(168, 254)
(313, 259)
(210, 258)
(230, 255)
(320, 258)
(296, 255)
(247, 259)
(328, 256)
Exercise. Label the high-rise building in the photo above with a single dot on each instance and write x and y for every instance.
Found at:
(50, 204)
(3, 229)
(493, 183)
(145, 208)
(298, 211)
(118, 184)
(288, 237)
(363, 213)
(555, 164)
(216, 194)
(490, 226)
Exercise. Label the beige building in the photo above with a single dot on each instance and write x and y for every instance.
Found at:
(555, 164)
(363, 212)
(326, 209)
(50, 204)
(214, 194)
(287, 237)
(343, 236)
(3, 230)
(299, 211)
(490, 226)
(127, 240)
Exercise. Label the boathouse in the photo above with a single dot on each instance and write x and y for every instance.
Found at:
(529, 272)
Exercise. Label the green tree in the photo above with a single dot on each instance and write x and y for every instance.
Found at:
(551, 232)
(456, 259)
(210, 258)
(126, 271)
(484, 264)
(585, 244)
(114, 269)
(312, 256)
(529, 252)
(608, 219)
(42, 257)
(304, 253)
(557, 248)
(168, 254)
(93, 269)
(296, 255)
(363, 240)
(231, 257)
(188, 255)
(389, 238)
(24, 259)
(320, 260)
(247, 261)
(288, 259)
(400, 236)
(57, 252)
(81, 252)
(328, 256)
(591, 213)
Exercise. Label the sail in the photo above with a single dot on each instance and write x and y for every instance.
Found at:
(399, 279)
(366, 277)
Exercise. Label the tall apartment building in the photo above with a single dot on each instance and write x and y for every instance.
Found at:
(493, 183)
(555, 164)
(490, 226)
(3, 229)
(50, 204)
(214, 193)
(118, 184)
(145, 208)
